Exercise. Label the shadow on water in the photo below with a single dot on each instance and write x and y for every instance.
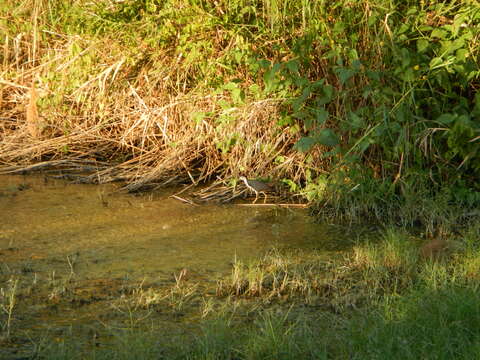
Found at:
(100, 239)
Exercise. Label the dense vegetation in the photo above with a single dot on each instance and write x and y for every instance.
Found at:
(370, 109)
(375, 100)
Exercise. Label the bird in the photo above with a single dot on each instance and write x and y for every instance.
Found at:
(257, 187)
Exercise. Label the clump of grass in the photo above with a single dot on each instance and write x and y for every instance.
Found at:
(278, 276)
(218, 339)
(175, 298)
(8, 301)
(389, 264)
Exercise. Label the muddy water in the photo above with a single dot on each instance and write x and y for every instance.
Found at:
(99, 238)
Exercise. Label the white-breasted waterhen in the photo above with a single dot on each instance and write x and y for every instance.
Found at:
(257, 187)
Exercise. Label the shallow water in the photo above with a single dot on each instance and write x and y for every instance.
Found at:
(99, 238)
(111, 233)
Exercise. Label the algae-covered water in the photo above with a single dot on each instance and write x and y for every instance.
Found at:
(71, 249)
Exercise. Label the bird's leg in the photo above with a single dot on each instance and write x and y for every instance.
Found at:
(256, 197)
(264, 197)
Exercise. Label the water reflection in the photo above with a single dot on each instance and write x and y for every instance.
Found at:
(113, 233)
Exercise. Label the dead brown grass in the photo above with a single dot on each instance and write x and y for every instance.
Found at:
(32, 120)
(120, 113)
(138, 130)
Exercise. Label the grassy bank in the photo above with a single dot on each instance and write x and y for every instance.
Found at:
(375, 101)
(386, 298)
(369, 109)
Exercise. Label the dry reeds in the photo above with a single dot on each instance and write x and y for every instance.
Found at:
(32, 121)
(99, 108)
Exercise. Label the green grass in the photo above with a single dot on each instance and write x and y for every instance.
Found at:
(423, 324)
(385, 301)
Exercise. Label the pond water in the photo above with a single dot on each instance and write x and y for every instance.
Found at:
(100, 238)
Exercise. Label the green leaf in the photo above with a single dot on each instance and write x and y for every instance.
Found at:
(435, 62)
(238, 96)
(237, 55)
(457, 23)
(306, 93)
(405, 57)
(293, 66)
(301, 81)
(364, 145)
(355, 121)
(446, 119)
(412, 11)
(448, 47)
(356, 65)
(293, 187)
(328, 95)
(336, 150)
(327, 137)
(297, 104)
(439, 34)
(230, 86)
(285, 120)
(403, 28)
(407, 75)
(264, 63)
(321, 115)
(373, 75)
(461, 54)
(299, 115)
(224, 104)
(338, 28)
(372, 20)
(279, 159)
(422, 45)
(425, 28)
(353, 55)
(318, 84)
(305, 143)
(255, 90)
(270, 78)
(344, 74)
